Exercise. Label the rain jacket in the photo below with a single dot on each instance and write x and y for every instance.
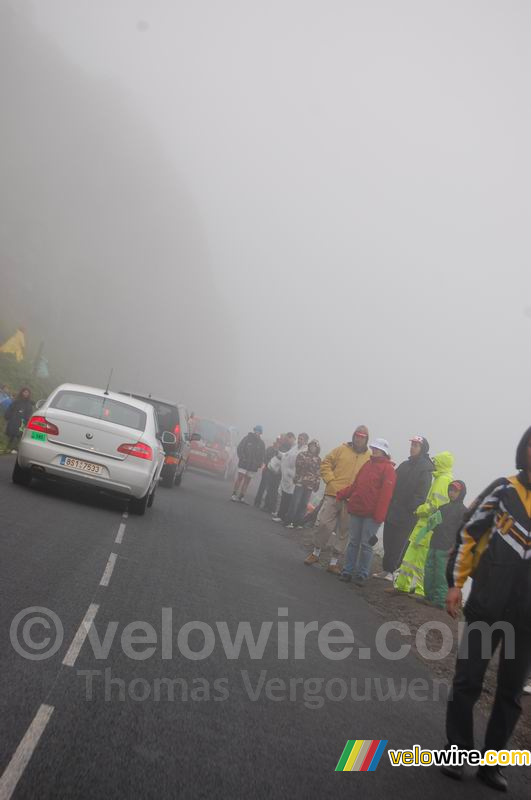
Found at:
(340, 467)
(251, 452)
(307, 468)
(413, 481)
(438, 493)
(370, 493)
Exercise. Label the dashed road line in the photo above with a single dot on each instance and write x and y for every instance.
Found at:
(81, 634)
(22, 755)
(120, 534)
(107, 572)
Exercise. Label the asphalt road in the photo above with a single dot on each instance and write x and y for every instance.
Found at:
(91, 721)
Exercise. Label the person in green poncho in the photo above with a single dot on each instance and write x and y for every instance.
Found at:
(411, 572)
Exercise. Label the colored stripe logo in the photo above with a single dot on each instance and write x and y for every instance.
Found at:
(361, 755)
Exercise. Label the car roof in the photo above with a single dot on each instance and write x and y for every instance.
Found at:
(118, 396)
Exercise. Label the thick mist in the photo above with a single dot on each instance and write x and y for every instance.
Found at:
(298, 214)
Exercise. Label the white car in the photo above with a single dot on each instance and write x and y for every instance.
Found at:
(95, 437)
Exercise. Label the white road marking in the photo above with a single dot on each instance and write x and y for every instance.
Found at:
(22, 755)
(107, 572)
(81, 634)
(120, 534)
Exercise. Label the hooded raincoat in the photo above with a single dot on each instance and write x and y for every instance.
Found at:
(411, 572)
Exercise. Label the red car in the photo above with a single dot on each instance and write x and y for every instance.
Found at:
(216, 449)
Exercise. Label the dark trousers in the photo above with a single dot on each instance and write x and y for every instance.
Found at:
(435, 583)
(468, 681)
(264, 483)
(285, 502)
(395, 541)
(298, 505)
(271, 498)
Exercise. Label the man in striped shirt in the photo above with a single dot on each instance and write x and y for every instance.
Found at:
(493, 548)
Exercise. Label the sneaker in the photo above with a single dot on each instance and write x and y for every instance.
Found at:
(299, 527)
(311, 559)
(276, 519)
(389, 577)
(345, 577)
(359, 581)
(335, 569)
(382, 575)
(243, 500)
(234, 498)
(291, 525)
(527, 688)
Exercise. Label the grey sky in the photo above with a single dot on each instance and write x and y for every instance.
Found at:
(360, 173)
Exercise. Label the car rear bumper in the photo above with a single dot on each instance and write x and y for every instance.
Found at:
(207, 464)
(119, 477)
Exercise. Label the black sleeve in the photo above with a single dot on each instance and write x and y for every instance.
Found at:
(421, 489)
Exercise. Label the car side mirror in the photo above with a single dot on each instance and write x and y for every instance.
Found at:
(39, 403)
(195, 437)
(169, 438)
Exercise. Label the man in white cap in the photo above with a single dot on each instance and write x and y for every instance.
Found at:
(368, 500)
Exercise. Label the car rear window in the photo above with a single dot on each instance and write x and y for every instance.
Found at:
(97, 407)
(167, 414)
(211, 432)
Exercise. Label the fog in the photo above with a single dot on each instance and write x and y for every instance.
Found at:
(302, 214)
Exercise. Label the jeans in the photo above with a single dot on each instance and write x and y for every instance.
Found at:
(299, 502)
(359, 551)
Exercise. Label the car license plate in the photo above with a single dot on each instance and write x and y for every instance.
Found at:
(82, 466)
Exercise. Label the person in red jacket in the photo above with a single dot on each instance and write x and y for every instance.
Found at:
(368, 501)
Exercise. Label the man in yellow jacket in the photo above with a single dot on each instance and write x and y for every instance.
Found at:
(338, 470)
(411, 573)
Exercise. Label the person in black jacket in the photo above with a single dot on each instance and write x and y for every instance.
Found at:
(251, 454)
(17, 416)
(494, 548)
(448, 520)
(413, 481)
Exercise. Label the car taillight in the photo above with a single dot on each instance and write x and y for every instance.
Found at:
(137, 449)
(177, 431)
(42, 425)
